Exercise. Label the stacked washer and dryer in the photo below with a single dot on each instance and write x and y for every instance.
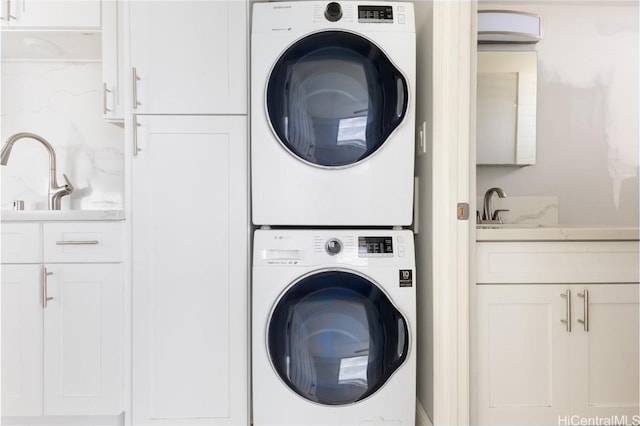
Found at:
(332, 154)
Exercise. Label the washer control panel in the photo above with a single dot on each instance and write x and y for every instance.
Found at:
(326, 246)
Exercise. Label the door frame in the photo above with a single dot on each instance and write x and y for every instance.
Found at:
(445, 169)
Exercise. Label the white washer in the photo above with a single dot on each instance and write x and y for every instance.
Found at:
(332, 113)
(334, 327)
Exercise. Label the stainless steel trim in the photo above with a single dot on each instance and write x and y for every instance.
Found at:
(105, 90)
(134, 83)
(585, 304)
(77, 243)
(567, 321)
(45, 295)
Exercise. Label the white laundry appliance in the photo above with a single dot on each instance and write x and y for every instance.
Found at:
(332, 113)
(334, 327)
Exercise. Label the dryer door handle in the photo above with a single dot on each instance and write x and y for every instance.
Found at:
(402, 94)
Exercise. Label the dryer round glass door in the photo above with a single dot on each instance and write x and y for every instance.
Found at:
(333, 98)
(335, 338)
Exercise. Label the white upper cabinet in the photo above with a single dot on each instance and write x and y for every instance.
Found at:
(112, 79)
(188, 57)
(50, 14)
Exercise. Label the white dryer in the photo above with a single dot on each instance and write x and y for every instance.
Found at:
(334, 327)
(332, 113)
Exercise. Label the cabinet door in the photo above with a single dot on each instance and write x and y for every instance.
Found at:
(21, 340)
(605, 358)
(189, 259)
(53, 14)
(523, 357)
(83, 340)
(189, 57)
(112, 84)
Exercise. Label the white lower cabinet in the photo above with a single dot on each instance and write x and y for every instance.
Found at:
(83, 339)
(21, 340)
(555, 353)
(190, 261)
(62, 326)
(533, 370)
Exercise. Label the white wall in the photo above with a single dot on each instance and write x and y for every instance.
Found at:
(60, 101)
(587, 114)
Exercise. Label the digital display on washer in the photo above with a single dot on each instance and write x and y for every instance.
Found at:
(375, 246)
(375, 14)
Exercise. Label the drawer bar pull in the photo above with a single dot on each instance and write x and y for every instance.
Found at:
(77, 243)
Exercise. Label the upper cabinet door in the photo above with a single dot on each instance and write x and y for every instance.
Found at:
(43, 14)
(189, 57)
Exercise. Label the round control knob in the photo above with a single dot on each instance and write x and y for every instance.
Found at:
(333, 12)
(333, 246)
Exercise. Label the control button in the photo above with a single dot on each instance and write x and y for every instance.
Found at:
(333, 246)
(401, 19)
(401, 252)
(400, 9)
(400, 239)
(333, 12)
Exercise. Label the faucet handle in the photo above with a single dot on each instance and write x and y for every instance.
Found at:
(68, 185)
(496, 214)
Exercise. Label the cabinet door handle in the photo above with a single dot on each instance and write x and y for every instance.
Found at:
(9, 16)
(136, 150)
(45, 295)
(567, 321)
(134, 82)
(105, 90)
(585, 304)
(77, 242)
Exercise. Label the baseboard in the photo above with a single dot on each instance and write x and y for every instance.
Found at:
(422, 419)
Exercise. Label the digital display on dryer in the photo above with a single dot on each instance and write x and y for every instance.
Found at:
(367, 14)
(375, 246)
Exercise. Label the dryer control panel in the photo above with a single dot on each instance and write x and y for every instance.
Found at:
(303, 17)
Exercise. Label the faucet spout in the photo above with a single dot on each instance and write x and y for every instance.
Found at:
(56, 192)
(489, 215)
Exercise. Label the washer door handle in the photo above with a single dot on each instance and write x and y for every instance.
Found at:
(402, 338)
(402, 90)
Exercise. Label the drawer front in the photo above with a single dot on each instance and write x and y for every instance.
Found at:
(21, 243)
(557, 262)
(83, 242)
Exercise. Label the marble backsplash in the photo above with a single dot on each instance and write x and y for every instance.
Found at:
(62, 102)
(525, 210)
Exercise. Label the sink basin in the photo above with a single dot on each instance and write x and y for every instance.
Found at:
(508, 225)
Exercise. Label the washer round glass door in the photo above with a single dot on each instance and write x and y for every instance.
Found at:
(335, 338)
(333, 98)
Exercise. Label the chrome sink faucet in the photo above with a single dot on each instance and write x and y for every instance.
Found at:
(56, 192)
(489, 215)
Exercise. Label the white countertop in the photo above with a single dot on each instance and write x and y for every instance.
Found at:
(556, 233)
(60, 215)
